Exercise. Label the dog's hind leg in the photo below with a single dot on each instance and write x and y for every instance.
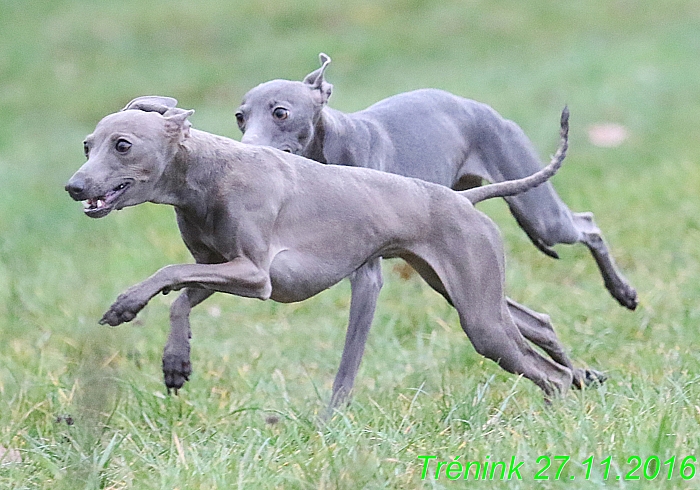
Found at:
(365, 282)
(505, 153)
(548, 221)
(476, 291)
(533, 326)
(537, 328)
(176, 354)
(614, 281)
(474, 278)
(495, 336)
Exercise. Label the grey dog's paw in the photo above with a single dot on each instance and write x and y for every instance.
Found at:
(588, 377)
(176, 370)
(626, 295)
(124, 309)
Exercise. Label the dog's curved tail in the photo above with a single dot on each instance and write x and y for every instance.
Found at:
(513, 187)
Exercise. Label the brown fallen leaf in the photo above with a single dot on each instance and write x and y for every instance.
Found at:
(607, 135)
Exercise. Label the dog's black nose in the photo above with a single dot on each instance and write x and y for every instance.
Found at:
(75, 187)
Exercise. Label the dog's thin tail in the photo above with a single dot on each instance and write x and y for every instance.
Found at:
(513, 187)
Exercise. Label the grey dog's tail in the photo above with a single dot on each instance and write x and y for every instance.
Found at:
(513, 187)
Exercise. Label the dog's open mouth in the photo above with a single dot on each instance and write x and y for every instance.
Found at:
(100, 206)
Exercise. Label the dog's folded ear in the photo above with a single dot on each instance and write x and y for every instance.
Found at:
(317, 82)
(151, 103)
(177, 125)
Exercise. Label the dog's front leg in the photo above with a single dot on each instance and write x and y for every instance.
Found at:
(176, 354)
(241, 277)
(365, 282)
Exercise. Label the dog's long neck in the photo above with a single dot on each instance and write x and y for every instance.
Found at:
(189, 180)
(330, 133)
(341, 139)
(315, 148)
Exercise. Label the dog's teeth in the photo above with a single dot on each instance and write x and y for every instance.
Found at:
(100, 203)
(86, 204)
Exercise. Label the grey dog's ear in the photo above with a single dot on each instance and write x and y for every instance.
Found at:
(177, 125)
(152, 103)
(315, 79)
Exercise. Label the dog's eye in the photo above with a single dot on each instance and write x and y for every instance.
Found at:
(280, 113)
(86, 150)
(122, 146)
(240, 120)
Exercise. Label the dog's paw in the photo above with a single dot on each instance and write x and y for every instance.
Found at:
(588, 377)
(595, 378)
(124, 309)
(626, 295)
(176, 370)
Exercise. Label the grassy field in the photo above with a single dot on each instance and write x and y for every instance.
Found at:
(84, 405)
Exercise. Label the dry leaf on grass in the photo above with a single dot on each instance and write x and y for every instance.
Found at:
(607, 135)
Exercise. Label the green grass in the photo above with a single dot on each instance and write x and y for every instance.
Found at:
(263, 371)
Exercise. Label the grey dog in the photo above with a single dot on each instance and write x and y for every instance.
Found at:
(266, 224)
(430, 135)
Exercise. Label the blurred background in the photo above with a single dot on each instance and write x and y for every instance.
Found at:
(628, 71)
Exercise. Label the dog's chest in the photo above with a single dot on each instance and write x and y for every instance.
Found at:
(206, 239)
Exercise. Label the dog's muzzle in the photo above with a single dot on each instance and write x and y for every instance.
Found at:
(95, 206)
(76, 188)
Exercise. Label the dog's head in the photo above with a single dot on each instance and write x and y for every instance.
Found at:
(283, 113)
(127, 155)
